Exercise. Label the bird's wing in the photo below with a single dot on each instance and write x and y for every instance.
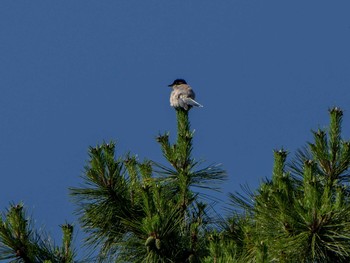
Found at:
(183, 104)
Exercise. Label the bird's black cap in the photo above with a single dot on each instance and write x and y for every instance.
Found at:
(178, 82)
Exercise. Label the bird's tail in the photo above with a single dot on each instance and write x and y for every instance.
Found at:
(192, 102)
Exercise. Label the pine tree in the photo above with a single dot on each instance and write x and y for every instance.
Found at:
(145, 211)
(302, 213)
(20, 242)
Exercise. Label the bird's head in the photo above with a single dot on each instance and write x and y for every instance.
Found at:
(178, 82)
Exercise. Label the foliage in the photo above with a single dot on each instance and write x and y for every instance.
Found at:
(144, 211)
(302, 213)
(20, 242)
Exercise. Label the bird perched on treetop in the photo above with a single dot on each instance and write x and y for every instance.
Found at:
(182, 95)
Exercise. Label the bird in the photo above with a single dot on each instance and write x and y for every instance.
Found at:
(182, 95)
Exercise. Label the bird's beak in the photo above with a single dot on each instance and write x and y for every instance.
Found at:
(170, 85)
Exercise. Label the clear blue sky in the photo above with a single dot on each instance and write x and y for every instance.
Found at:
(75, 73)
